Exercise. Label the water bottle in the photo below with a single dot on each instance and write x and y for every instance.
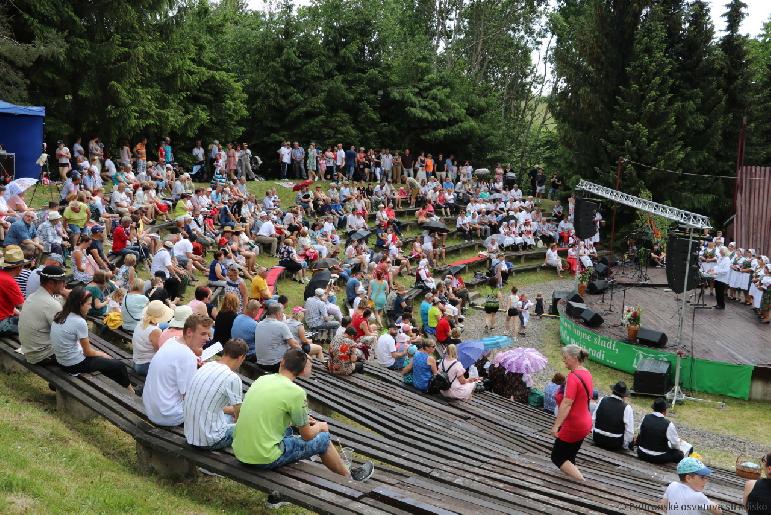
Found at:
(473, 372)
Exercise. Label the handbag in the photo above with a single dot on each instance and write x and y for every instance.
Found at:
(441, 381)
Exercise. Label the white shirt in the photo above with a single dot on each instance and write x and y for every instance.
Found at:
(161, 262)
(198, 153)
(183, 247)
(171, 371)
(110, 167)
(684, 500)
(213, 387)
(340, 157)
(722, 269)
(267, 229)
(285, 154)
(64, 154)
(383, 349)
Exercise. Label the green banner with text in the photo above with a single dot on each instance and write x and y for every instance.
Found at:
(701, 375)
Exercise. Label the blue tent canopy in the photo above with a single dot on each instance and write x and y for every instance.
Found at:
(21, 133)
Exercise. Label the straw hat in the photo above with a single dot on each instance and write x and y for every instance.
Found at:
(181, 314)
(156, 312)
(14, 257)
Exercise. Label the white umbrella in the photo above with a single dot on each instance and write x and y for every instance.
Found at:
(18, 186)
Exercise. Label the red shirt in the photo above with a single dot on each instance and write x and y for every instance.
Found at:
(11, 296)
(442, 330)
(578, 423)
(119, 239)
(356, 321)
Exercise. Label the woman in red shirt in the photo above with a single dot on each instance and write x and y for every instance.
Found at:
(574, 420)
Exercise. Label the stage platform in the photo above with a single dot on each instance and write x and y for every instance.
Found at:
(732, 335)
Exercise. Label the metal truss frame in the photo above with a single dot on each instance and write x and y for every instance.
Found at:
(692, 220)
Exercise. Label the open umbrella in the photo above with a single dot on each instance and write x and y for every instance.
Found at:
(326, 263)
(469, 352)
(435, 226)
(18, 186)
(522, 360)
(301, 185)
(361, 234)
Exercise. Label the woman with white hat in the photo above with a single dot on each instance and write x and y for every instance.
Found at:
(174, 330)
(145, 341)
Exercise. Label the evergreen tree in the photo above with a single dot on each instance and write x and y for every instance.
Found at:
(645, 126)
(758, 148)
(595, 40)
(735, 83)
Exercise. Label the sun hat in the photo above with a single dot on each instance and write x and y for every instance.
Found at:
(168, 244)
(319, 292)
(13, 257)
(156, 312)
(180, 315)
(53, 272)
(691, 465)
(54, 215)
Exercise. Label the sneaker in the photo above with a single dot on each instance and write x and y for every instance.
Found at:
(275, 501)
(363, 472)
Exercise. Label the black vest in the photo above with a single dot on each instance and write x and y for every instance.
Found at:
(653, 433)
(759, 500)
(610, 416)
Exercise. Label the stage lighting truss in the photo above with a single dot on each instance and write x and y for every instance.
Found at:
(692, 220)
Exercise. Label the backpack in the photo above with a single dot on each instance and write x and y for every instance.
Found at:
(491, 302)
(441, 381)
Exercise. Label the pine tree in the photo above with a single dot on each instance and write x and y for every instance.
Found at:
(735, 83)
(645, 126)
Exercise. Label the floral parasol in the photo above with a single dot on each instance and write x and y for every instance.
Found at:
(521, 360)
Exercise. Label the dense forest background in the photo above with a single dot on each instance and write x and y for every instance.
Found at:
(648, 80)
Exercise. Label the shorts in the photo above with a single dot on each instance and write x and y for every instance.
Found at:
(306, 347)
(513, 312)
(294, 449)
(182, 260)
(540, 189)
(565, 451)
(74, 229)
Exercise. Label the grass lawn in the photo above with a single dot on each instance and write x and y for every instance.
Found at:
(51, 464)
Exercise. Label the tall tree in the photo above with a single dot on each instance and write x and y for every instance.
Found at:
(645, 126)
(735, 83)
(595, 40)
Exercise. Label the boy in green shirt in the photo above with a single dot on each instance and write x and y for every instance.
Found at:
(272, 407)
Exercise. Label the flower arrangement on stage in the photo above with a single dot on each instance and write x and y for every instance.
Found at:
(631, 315)
(583, 277)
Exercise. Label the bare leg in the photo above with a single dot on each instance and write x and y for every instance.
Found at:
(570, 470)
(316, 352)
(332, 460)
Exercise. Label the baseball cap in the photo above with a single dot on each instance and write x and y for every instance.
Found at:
(97, 228)
(693, 466)
(55, 257)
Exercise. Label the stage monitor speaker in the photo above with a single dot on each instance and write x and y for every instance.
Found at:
(601, 270)
(556, 297)
(597, 286)
(575, 297)
(651, 338)
(652, 377)
(576, 308)
(611, 260)
(591, 318)
(677, 256)
(583, 218)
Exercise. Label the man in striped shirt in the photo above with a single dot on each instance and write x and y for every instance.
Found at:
(213, 400)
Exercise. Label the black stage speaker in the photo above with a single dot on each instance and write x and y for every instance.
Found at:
(576, 308)
(583, 218)
(601, 270)
(591, 318)
(651, 338)
(652, 376)
(611, 260)
(575, 297)
(677, 250)
(597, 286)
(557, 296)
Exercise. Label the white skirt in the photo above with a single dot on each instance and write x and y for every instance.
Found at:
(756, 296)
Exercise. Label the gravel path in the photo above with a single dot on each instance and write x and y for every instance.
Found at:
(474, 328)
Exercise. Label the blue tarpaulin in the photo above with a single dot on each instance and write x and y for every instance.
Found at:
(21, 133)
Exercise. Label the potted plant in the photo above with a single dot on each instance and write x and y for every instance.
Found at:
(583, 280)
(631, 319)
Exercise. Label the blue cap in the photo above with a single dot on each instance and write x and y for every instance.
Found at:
(693, 466)
(97, 228)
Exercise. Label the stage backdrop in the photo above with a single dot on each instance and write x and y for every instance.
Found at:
(708, 376)
(21, 133)
(752, 228)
